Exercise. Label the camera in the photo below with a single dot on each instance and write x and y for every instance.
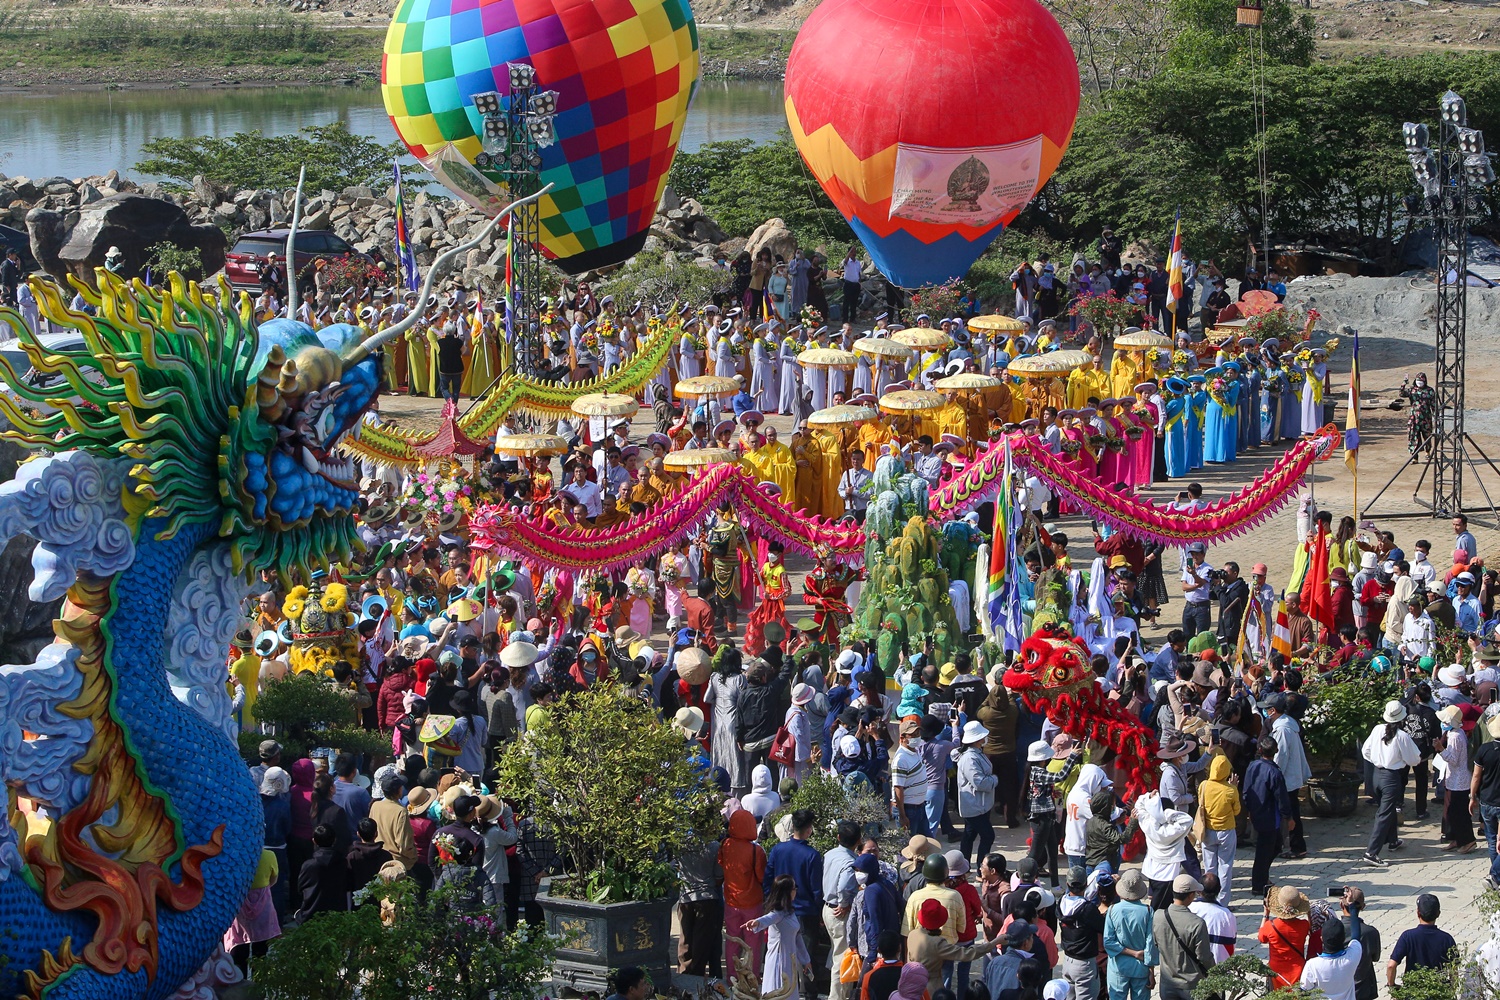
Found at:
(1217, 577)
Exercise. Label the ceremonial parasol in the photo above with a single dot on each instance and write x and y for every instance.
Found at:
(998, 323)
(967, 380)
(922, 339)
(531, 444)
(695, 458)
(1051, 365)
(882, 348)
(706, 385)
(911, 400)
(1141, 340)
(1258, 301)
(827, 357)
(835, 416)
(605, 404)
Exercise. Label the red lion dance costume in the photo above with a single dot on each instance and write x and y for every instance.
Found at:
(1053, 678)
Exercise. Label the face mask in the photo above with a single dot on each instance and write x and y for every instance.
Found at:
(916, 744)
(590, 657)
(771, 557)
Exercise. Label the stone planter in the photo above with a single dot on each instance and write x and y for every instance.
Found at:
(1334, 796)
(605, 936)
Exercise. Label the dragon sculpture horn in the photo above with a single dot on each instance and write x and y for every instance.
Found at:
(358, 352)
(291, 247)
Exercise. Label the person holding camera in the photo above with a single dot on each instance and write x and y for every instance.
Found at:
(1234, 598)
(1197, 580)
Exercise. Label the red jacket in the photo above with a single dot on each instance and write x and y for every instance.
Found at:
(388, 704)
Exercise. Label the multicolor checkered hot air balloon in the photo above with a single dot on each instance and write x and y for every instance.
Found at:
(931, 123)
(624, 72)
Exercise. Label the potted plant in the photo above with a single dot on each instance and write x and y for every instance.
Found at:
(305, 711)
(617, 791)
(1343, 706)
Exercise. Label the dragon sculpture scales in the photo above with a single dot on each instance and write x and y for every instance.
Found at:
(195, 450)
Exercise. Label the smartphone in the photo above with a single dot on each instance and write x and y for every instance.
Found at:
(1335, 892)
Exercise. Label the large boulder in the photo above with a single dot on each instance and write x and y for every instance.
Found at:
(133, 223)
(48, 229)
(774, 235)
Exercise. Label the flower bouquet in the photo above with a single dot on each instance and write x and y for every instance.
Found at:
(1135, 432)
(1097, 441)
(811, 318)
(1218, 391)
(1072, 445)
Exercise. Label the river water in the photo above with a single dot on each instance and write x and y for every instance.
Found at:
(83, 133)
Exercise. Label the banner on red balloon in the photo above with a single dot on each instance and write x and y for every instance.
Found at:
(974, 186)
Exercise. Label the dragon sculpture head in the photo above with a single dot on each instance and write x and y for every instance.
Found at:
(218, 417)
(1052, 663)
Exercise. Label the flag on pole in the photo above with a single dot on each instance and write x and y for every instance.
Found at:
(510, 285)
(1317, 600)
(1281, 633)
(1004, 590)
(1174, 267)
(1351, 422)
(1252, 633)
(404, 257)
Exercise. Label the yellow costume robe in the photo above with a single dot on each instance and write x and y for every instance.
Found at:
(831, 505)
(1086, 382)
(809, 461)
(247, 669)
(1124, 374)
(774, 463)
(872, 434)
(421, 349)
(483, 365)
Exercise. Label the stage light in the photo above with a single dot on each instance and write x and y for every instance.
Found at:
(521, 75)
(1415, 135)
(541, 132)
(1470, 142)
(1454, 111)
(544, 103)
(487, 103)
(1424, 166)
(1478, 170)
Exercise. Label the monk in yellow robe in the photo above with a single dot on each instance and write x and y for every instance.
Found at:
(420, 372)
(1085, 382)
(951, 418)
(483, 362)
(1124, 374)
(809, 462)
(779, 466)
(872, 434)
(831, 505)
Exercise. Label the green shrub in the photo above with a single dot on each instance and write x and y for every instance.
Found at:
(307, 712)
(427, 949)
(335, 159)
(168, 256)
(614, 787)
(830, 802)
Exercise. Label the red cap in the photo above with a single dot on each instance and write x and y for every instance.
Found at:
(1258, 568)
(932, 915)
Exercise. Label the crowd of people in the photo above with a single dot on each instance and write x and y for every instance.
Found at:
(461, 655)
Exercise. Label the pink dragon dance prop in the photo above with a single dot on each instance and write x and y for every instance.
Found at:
(499, 529)
(1229, 516)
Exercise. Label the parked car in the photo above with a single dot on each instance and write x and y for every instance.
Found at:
(243, 263)
(17, 238)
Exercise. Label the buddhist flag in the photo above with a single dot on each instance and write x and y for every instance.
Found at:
(1004, 590)
(1351, 421)
(1174, 267)
(404, 257)
(1281, 632)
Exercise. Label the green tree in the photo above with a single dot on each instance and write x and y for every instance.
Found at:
(653, 277)
(308, 711)
(1205, 35)
(335, 159)
(742, 185)
(1336, 169)
(167, 256)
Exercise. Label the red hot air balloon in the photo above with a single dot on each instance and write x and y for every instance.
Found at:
(931, 123)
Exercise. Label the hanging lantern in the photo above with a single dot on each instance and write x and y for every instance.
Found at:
(1249, 13)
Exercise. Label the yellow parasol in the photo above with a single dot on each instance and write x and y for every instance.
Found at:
(1141, 340)
(912, 400)
(998, 323)
(967, 380)
(828, 357)
(883, 348)
(531, 445)
(706, 385)
(695, 458)
(1054, 364)
(922, 339)
(605, 404)
(835, 416)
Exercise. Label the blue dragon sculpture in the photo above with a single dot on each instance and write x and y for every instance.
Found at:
(190, 450)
